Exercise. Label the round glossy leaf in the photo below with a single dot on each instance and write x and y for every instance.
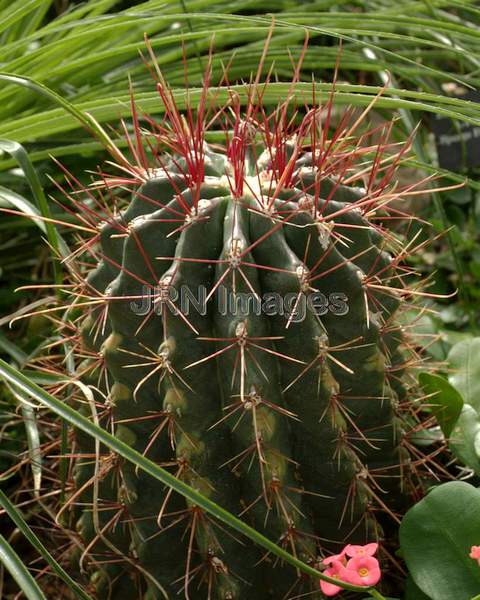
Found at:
(436, 536)
(464, 360)
(446, 403)
(465, 438)
(412, 591)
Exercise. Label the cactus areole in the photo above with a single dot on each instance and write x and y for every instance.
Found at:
(241, 331)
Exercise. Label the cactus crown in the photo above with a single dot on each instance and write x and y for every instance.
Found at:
(242, 331)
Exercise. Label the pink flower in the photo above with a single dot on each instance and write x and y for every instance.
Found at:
(336, 557)
(362, 570)
(357, 551)
(337, 571)
(474, 553)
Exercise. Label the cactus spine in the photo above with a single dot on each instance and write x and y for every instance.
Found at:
(290, 415)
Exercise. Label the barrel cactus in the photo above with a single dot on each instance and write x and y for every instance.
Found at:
(239, 327)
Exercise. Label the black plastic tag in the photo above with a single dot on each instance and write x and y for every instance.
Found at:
(458, 142)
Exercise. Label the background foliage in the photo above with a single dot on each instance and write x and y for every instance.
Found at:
(423, 53)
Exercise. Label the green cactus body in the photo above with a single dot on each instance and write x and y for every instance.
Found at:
(276, 395)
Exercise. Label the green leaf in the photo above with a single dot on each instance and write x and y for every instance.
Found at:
(19, 521)
(436, 536)
(446, 403)
(15, 15)
(29, 418)
(465, 438)
(11, 349)
(464, 360)
(82, 117)
(413, 592)
(427, 437)
(18, 152)
(23, 205)
(57, 244)
(91, 113)
(19, 571)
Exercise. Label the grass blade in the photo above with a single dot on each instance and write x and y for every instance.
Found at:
(90, 114)
(19, 521)
(29, 419)
(24, 9)
(19, 571)
(22, 204)
(82, 117)
(12, 349)
(58, 245)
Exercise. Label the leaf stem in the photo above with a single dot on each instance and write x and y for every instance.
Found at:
(376, 594)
